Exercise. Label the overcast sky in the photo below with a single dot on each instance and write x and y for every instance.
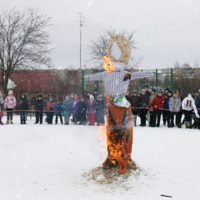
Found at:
(167, 30)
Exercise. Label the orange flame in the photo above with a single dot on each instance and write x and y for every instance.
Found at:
(110, 141)
(108, 65)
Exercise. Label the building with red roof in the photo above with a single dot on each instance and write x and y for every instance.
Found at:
(38, 82)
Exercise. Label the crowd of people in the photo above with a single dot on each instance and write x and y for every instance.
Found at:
(148, 105)
(151, 106)
(87, 108)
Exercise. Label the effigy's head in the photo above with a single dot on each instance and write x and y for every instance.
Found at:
(118, 53)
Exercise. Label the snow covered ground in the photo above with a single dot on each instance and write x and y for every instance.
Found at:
(46, 162)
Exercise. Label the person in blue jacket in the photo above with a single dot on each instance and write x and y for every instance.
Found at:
(58, 111)
(66, 110)
(74, 106)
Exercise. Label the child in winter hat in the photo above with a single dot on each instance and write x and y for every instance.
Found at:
(58, 111)
(66, 110)
(10, 104)
(74, 106)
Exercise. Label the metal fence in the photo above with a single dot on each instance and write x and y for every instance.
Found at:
(162, 79)
(90, 86)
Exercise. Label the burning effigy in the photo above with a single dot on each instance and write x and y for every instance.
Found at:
(119, 125)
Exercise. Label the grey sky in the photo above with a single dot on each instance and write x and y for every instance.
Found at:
(167, 30)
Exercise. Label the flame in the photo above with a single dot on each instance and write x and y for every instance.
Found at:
(108, 65)
(109, 139)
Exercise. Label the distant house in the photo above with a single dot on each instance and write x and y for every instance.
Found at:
(38, 82)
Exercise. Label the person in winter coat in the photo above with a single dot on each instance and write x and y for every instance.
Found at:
(50, 110)
(91, 110)
(39, 104)
(95, 94)
(85, 96)
(174, 107)
(144, 99)
(197, 103)
(58, 111)
(66, 110)
(188, 106)
(99, 104)
(157, 103)
(135, 102)
(74, 106)
(151, 98)
(196, 95)
(127, 96)
(82, 107)
(10, 104)
(23, 107)
(166, 97)
(147, 91)
(1, 108)
(166, 107)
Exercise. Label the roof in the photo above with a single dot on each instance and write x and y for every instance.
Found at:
(37, 82)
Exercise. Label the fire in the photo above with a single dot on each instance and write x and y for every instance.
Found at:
(108, 65)
(101, 132)
(109, 139)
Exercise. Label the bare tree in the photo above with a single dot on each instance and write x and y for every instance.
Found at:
(98, 48)
(23, 42)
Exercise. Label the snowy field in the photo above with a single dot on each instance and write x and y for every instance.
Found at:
(46, 162)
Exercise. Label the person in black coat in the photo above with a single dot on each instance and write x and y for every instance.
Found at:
(166, 97)
(147, 91)
(23, 107)
(95, 94)
(144, 100)
(82, 107)
(39, 104)
(99, 110)
(135, 102)
(127, 96)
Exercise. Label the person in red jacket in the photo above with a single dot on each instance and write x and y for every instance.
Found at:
(157, 103)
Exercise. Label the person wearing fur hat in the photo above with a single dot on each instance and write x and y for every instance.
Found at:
(58, 111)
(91, 110)
(74, 106)
(23, 107)
(10, 104)
(135, 102)
(82, 107)
(157, 103)
(66, 110)
(151, 98)
(99, 104)
(1, 108)
(188, 106)
(50, 110)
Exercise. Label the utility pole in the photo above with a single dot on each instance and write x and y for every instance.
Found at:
(81, 20)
